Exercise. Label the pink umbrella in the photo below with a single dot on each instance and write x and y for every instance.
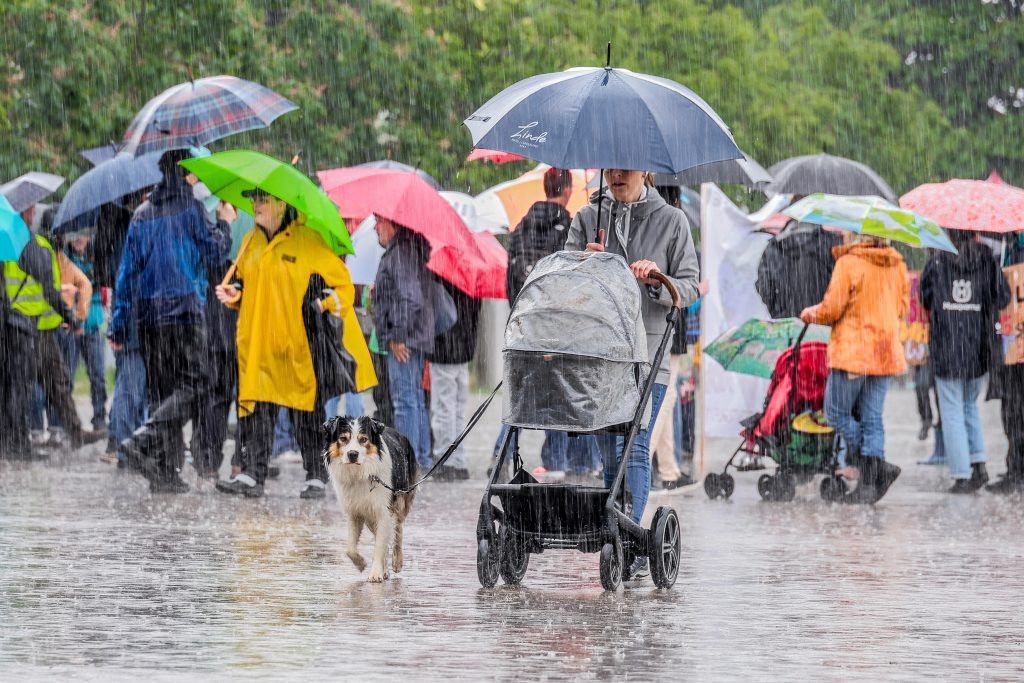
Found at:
(482, 279)
(406, 199)
(494, 156)
(969, 205)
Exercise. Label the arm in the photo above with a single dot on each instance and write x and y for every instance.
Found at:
(837, 298)
(72, 275)
(927, 285)
(904, 307)
(577, 238)
(1002, 290)
(683, 269)
(407, 298)
(124, 289)
(765, 283)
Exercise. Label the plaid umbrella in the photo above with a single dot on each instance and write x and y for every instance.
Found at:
(198, 112)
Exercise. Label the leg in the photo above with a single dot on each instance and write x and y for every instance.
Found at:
(553, 454)
(382, 537)
(355, 530)
(354, 404)
(443, 409)
(871, 404)
(662, 437)
(406, 392)
(18, 378)
(381, 393)
(91, 346)
(128, 408)
(307, 426)
(1012, 413)
(638, 468)
(922, 391)
(284, 434)
(840, 396)
(954, 430)
(255, 436)
(972, 420)
(52, 375)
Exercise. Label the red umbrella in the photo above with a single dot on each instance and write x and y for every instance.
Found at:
(482, 279)
(406, 199)
(969, 205)
(494, 156)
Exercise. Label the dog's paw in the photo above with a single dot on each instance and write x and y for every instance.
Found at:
(377, 575)
(357, 560)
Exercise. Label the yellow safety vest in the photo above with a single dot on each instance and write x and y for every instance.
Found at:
(26, 295)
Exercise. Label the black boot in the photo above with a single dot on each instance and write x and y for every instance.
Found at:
(979, 475)
(1006, 485)
(887, 475)
(962, 486)
(866, 492)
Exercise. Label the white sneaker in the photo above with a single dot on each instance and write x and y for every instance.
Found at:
(289, 456)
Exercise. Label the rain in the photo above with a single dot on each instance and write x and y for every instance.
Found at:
(494, 339)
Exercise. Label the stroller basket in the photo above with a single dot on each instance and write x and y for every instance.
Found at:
(553, 511)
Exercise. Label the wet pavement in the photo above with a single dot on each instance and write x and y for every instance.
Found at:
(101, 580)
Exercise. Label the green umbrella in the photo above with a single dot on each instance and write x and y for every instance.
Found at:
(871, 216)
(753, 347)
(229, 174)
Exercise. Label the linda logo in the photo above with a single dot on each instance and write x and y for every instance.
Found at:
(528, 137)
(961, 291)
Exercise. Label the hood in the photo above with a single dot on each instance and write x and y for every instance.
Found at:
(884, 257)
(642, 209)
(413, 241)
(547, 214)
(806, 237)
(173, 187)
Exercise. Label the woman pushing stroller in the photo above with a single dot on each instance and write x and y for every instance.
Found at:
(652, 236)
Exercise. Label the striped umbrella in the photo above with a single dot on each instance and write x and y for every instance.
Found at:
(198, 112)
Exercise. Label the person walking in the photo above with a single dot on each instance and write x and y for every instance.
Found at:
(403, 315)
(866, 299)
(1011, 384)
(289, 288)
(963, 294)
(449, 383)
(652, 236)
(161, 287)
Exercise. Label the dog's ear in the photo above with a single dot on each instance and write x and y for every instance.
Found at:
(376, 427)
(330, 429)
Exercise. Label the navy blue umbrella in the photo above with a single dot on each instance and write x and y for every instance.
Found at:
(600, 117)
(110, 181)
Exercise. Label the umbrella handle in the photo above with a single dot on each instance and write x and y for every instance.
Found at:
(667, 283)
(228, 276)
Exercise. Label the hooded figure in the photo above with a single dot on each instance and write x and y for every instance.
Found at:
(963, 294)
(795, 269)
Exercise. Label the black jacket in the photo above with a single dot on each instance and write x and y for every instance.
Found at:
(541, 233)
(963, 295)
(795, 270)
(458, 344)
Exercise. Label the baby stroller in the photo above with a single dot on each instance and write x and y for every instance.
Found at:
(790, 430)
(575, 360)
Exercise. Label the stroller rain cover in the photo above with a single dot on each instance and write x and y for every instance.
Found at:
(575, 352)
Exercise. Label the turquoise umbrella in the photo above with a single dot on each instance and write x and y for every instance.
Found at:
(14, 234)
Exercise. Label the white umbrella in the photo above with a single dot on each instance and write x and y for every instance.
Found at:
(29, 189)
(363, 264)
(475, 220)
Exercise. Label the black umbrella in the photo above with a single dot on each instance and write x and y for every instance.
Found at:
(828, 174)
(743, 171)
(28, 190)
(108, 182)
(399, 166)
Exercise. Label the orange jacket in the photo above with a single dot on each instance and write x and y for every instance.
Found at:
(866, 299)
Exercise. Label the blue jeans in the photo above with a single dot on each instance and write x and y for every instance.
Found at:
(284, 435)
(405, 381)
(844, 392)
(90, 347)
(353, 404)
(961, 424)
(128, 408)
(638, 467)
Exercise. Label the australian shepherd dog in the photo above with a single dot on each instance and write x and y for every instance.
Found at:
(362, 453)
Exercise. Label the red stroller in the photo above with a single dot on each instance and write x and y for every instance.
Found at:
(790, 430)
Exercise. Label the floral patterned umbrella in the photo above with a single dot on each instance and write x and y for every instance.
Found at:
(969, 205)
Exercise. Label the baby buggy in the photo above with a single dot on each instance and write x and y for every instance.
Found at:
(575, 360)
(790, 430)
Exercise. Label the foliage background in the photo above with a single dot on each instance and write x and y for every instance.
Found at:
(920, 91)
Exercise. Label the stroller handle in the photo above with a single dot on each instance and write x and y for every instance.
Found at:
(673, 292)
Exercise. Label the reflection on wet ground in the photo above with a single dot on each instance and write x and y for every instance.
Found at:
(100, 579)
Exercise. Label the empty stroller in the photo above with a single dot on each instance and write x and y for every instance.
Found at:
(790, 430)
(575, 360)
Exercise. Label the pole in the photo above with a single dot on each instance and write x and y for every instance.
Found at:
(700, 395)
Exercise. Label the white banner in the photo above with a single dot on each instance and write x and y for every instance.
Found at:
(730, 252)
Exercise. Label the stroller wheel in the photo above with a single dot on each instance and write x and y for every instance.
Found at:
(766, 487)
(514, 557)
(712, 485)
(727, 485)
(611, 566)
(784, 487)
(833, 489)
(486, 563)
(665, 547)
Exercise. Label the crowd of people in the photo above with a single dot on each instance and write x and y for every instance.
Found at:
(215, 314)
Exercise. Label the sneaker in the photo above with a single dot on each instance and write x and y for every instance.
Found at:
(174, 484)
(449, 473)
(91, 437)
(683, 481)
(639, 570)
(934, 459)
(313, 490)
(962, 486)
(241, 484)
(109, 458)
(289, 456)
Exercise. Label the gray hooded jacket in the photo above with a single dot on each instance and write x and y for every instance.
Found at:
(648, 229)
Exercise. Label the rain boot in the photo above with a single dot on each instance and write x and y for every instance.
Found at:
(979, 475)
(866, 492)
(887, 475)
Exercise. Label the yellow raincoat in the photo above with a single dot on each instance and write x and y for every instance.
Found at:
(274, 361)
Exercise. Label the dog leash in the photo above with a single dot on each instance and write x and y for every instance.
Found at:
(473, 419)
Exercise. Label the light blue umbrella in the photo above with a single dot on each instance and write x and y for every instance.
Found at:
(14, 234)
(600, 117)
(110, 181)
